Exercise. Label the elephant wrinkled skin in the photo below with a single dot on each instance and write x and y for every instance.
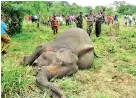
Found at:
(68, 52)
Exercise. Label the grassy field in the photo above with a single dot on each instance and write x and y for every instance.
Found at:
(112, 76)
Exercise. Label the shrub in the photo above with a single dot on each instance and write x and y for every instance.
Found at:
(14, 14)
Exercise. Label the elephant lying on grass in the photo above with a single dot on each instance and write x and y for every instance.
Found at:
(70, 51)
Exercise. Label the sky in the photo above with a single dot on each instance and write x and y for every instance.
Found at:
(91, 3)
(94, 3)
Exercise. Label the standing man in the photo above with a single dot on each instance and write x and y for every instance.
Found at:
(54, 25)
(67, 20)
(5, 39)
(90, 20)
(115, 18)
(98, 22)
(126, 19)
(130, 19)
(79, 20)
(29, 19)
(72, 18)
(49, 20)
(103, 15)
(109, 19)
(61, 19)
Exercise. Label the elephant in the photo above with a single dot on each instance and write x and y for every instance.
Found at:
(71, 50)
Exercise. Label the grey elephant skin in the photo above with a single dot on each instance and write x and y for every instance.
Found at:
(68, 52)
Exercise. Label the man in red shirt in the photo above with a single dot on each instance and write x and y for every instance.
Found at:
(109, 19)
(54, 25)
(29, 19)
(67, 19)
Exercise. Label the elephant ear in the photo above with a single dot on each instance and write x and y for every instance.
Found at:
(67, 57)
(84, 49)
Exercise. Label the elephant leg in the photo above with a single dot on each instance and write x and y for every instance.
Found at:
(42, 82)
(31, 58)
(88, 31)
(48, 72)
(85, 60)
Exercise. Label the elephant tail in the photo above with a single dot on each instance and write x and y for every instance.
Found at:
(97, 55)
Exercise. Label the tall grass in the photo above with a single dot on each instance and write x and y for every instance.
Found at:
(118, 53)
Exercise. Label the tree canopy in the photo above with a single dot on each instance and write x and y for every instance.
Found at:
(16, 10)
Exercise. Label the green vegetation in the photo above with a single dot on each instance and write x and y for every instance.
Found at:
(15, 10)
(112, 76)
(14, 14)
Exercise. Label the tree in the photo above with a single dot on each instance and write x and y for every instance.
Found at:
(127, 9)
(14, 13)
(109, 11)
(98, 8)
(119, 3)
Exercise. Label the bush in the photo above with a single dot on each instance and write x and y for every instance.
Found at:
(14, 14)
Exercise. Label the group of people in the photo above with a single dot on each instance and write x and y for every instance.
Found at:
(129, 19)
(59, 18)
(91, 18)
(54, 21)
(69, 19)
(33, 18)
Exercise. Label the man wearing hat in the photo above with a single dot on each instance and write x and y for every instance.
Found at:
(79, 20)
(90, 20)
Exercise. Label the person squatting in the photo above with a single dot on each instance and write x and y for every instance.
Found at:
(5, 39)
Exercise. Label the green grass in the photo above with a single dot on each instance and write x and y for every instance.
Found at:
(112, 76)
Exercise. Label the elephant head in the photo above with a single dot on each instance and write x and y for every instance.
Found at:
(61, 56)
(55, 64)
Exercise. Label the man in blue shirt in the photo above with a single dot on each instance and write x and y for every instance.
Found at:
(5, 39)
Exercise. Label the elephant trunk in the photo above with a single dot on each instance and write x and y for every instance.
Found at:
(42, 80)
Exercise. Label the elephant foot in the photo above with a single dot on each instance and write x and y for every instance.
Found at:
(54, 95)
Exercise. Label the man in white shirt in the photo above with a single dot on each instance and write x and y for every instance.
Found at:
(61, 20)
(130, 18)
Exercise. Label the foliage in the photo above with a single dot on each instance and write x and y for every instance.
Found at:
(98, 8)
(117, 51)
(127, 9)
(119, 3)
(118, 59)
(15, 10)
(109, 11)
(14, 14)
